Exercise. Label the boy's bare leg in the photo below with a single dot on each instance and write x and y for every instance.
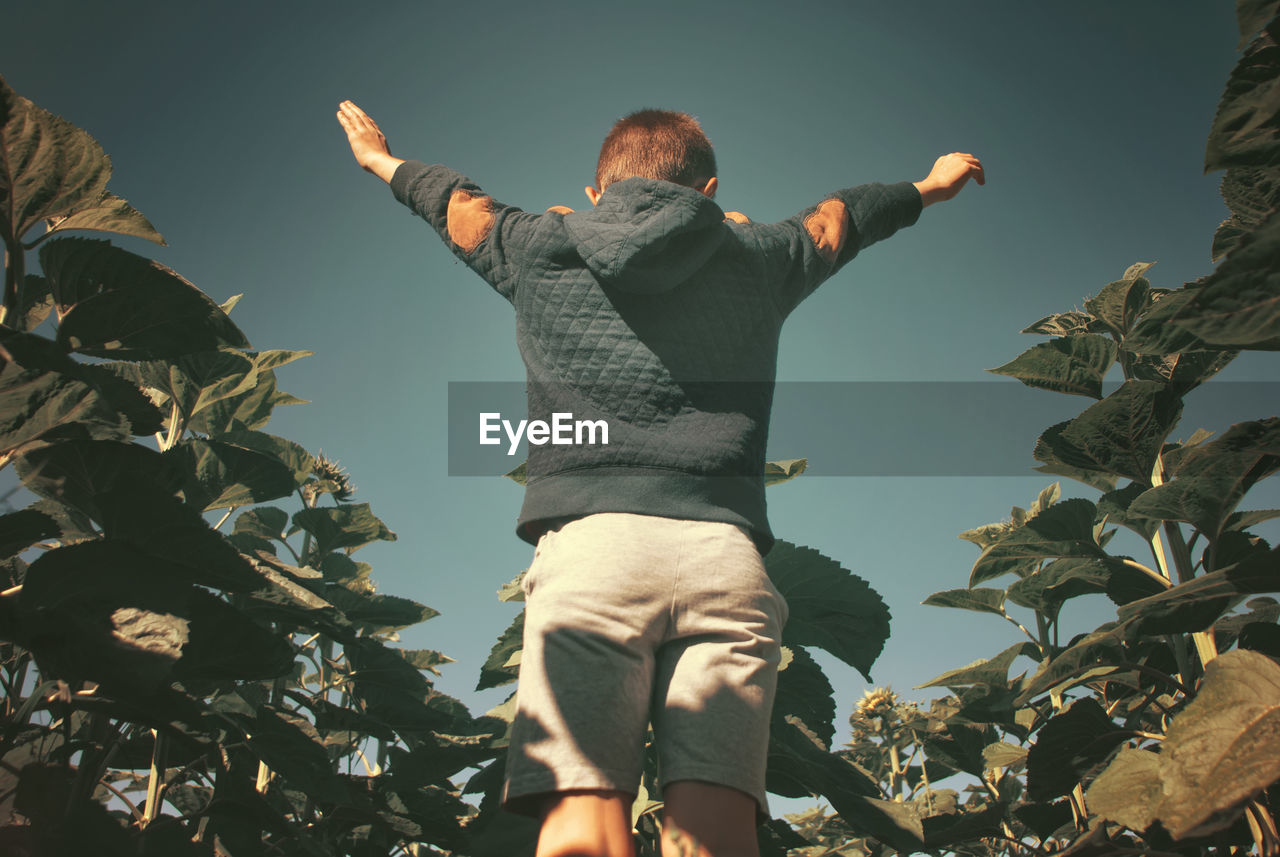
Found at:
(587, 823)
(721, 820)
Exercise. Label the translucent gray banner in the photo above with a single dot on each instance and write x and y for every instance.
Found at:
(889, 428)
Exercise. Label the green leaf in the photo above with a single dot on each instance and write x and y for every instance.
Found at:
(1252, 16)
(378, 614)
(1113, 506)
(289, 745)
(1069, 747)
(346, 526)
(502, 667)
(1073, 364)
(108, 213)
(1183, 372)
(986, 671)
(38, 398)
(1119, 436)
(1119, 303)
(800, 766)
(1063, 530)
(78, 473)
(1002, 754)
(1251, 193)
(830, 607)
(398, 695)
(1065, 324)
(520, 474)
(805, 694)
(777, 472)
(223, 475)
(1046, 590)
(981, 600)
(1239, 303)
(195, 381)
(1156, 334)
(299, 462)
(266, 522)
(1100, 648)
(225, 644)
(1246, 128)
(35, 303)
(20, 530)
(113, 303)
(1212, 478)
(1128, 791)
(47, 165)
(1224, 747)
(1197, 603)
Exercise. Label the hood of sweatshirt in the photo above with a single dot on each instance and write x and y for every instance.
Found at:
(647, 236)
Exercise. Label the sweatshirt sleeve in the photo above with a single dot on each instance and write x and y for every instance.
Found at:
(490, 237)
(816, 243)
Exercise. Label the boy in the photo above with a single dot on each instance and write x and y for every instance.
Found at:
(647, 598)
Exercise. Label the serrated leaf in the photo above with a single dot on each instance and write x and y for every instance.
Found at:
(800, 766)
(980, 600)
(1090, 651)
(1002, 754)
(805, 693)
(1119, 436)
(830, 607)
(1224, 747)
(22, 529)
(1068, 747)
(1197, 603)
(222, 475)
(1155, 332)
(986, 671)
(108, 213)
(496, 671)
(80, 473)
(1239, 303)
(1119, 303)
(1073, 364)
(35, 303)
(1046, 590)
(47, 165)
(1063, 530)
(347, 526)
(378, 614)
(1251, 193)
(1246, 128)
(113, 303)
(784, 470)
(39, 398)
(398, 695)
(1065, 324)
(1128, 791)
(1114, 505)
(1212, 478)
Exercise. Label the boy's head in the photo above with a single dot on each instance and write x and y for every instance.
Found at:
(656, 144)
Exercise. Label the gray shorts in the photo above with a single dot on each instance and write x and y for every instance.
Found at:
(631, 619)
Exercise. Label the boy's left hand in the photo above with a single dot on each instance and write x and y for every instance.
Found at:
(368, 143)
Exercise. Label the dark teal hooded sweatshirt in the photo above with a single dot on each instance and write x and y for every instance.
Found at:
(654, 313)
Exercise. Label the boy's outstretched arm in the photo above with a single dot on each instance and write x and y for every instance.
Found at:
(949, 174)
(368, 143)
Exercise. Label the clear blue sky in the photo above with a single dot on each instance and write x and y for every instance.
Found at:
(1090, 118)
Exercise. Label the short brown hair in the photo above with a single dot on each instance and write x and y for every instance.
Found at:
(656, 144)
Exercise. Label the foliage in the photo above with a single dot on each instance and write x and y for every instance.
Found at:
(172, 686)
(1154, 733)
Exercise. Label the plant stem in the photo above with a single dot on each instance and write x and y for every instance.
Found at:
(1206, 646)
(14, 273)
(155, 778)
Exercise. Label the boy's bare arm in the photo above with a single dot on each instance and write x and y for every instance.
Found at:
(368, 143)
(949, 174)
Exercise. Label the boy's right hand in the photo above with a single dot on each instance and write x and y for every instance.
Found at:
(949, 174)
(368, 143)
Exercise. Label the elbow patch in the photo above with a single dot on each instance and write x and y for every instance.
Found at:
(469, 219)
(828, 227)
